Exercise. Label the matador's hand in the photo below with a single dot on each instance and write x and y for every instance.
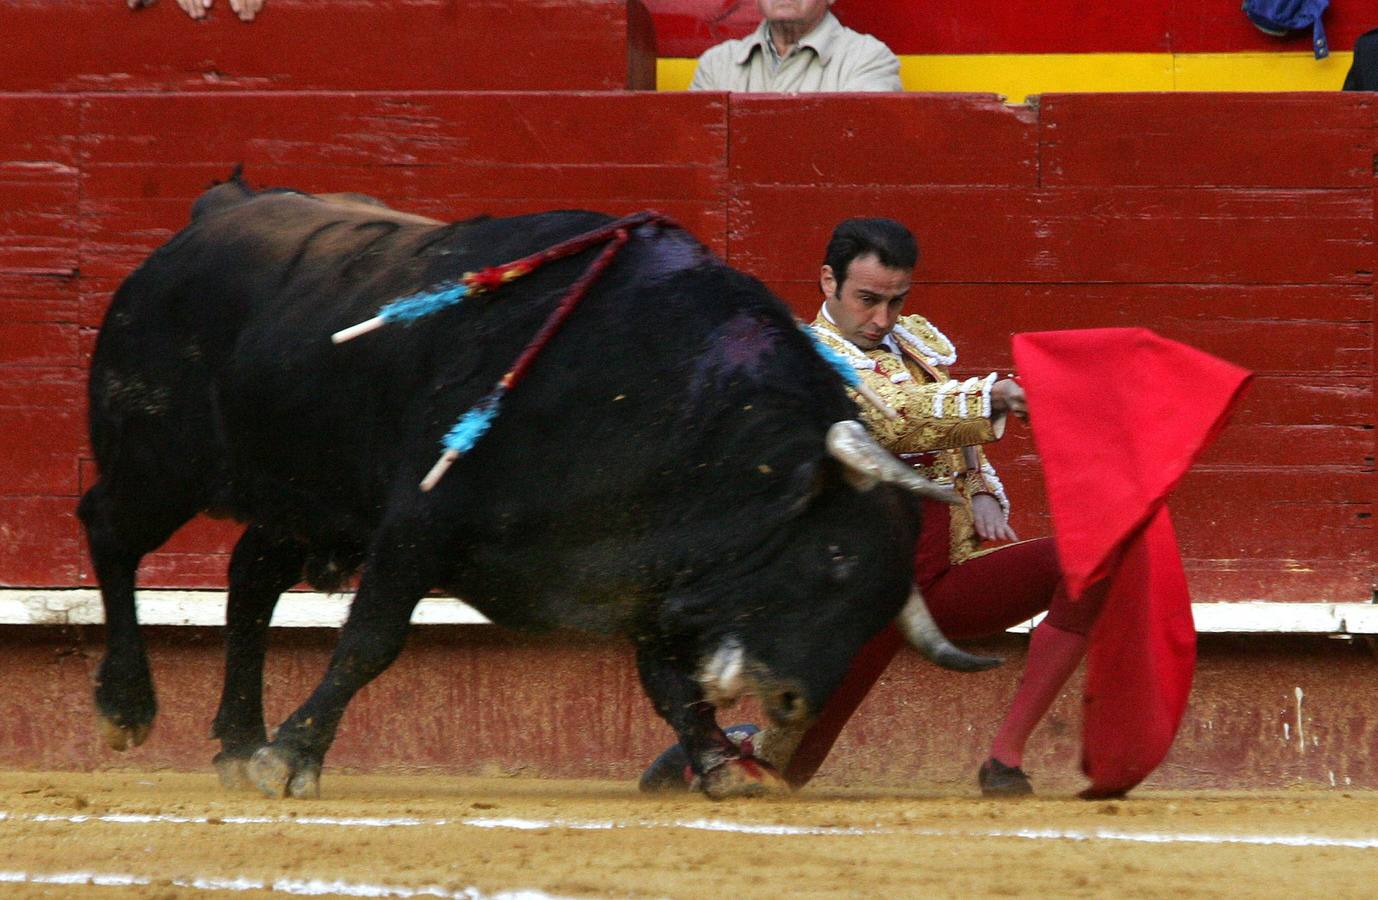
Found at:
(1006, 396)
(989, 518)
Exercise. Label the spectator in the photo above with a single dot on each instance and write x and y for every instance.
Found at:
(799, 47)
(1363, 72)
(197, 9)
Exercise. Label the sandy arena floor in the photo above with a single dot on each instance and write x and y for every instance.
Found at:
(133, 834)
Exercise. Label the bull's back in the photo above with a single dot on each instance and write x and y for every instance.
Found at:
(214, 366)
(175, 330)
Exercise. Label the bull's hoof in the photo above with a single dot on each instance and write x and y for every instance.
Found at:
(745, 777)
(122, 737)
(124, 702)
(233, 771)
(279, 773)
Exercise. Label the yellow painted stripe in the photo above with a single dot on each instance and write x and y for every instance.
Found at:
(1018, 75)
(674, 74)
(1261, 72)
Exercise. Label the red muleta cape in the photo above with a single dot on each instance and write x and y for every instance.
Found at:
(1118, 417)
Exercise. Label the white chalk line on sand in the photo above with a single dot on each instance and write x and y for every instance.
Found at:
(1053, 834)
(300, 887)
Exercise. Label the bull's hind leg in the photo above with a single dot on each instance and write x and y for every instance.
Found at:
(723, 770)
(264, 565)
(393, 583)
(119, 534)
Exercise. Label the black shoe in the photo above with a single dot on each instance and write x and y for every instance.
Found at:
(999, 780)
(670, 772)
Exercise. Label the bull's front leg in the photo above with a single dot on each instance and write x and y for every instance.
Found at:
(721, 766)
(372, 637)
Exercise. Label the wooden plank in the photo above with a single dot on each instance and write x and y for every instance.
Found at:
(1305, 140)
(1177, 235)
(37, 344)
(1291, 516)
(1311, 532)
(41, 546)
(903, 139)
(333, 128)
(197, 556)
(41, 447)
(42, 415)
(305, 45)
(442, 156)
(38, 222)
(1315, 401)
(1329, 495)
(39, 128)
(184, 571)
(57, 387)
(1247, 445)
(1281, 581)
(1268, 449)
(173, 571)
(39, 296)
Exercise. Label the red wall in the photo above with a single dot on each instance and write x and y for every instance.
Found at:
(688, 27)
(441, 45)
(1243, 224)
(475, 699)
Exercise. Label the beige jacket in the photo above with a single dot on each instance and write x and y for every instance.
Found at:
(829, 58)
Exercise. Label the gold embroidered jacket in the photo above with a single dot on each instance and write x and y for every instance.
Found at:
(938, 414)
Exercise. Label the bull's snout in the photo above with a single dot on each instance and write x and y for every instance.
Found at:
(728, 674)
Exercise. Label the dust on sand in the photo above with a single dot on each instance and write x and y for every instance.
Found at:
(164, 834)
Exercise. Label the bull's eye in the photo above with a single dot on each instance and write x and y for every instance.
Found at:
(840, 564)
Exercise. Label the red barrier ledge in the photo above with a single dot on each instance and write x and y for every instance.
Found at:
(478, 45)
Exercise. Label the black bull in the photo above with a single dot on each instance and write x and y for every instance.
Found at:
(661, 473)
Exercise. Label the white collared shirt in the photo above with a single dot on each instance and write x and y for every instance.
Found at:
(829, 58)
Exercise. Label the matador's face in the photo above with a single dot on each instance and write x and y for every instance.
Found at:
(869, 300)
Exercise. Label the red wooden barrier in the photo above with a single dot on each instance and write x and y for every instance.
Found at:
(1240, 224)
(1304, 140)
(476, 45)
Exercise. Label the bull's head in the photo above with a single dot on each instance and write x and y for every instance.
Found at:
(842, 573)
(869, 463)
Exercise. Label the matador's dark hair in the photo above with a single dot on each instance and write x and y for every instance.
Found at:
(892, 243)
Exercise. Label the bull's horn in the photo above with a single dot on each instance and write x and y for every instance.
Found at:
(849, 443)
(918, 626)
